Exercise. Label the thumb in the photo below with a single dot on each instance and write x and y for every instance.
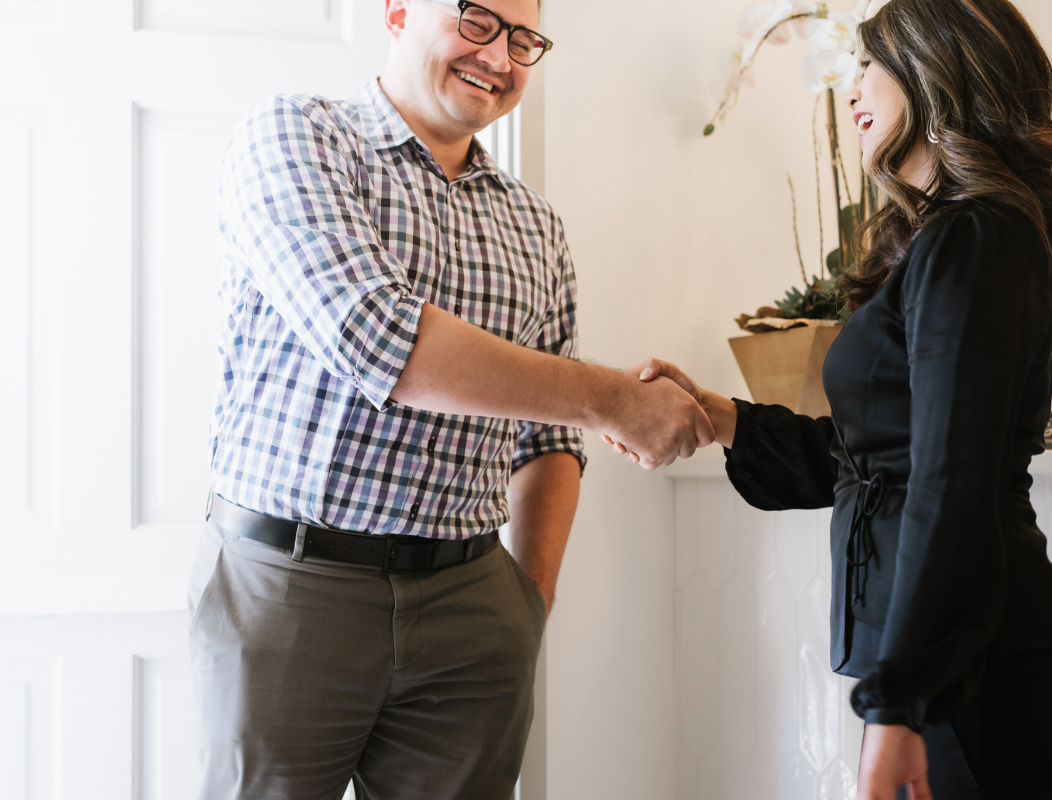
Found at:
(703, 428)
(649, 369)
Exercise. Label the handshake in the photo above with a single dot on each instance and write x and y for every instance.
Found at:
(664, 415)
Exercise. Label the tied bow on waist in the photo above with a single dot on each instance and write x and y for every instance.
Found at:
(868, 501)
(860, 545)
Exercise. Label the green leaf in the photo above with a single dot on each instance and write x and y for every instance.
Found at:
(849, 216)
(709, 129)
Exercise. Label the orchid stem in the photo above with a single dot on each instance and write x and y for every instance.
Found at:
(834, 145)
(796, 230)
(748, 64)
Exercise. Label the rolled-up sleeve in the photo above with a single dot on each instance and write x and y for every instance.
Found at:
(292, 210)
(558, 336)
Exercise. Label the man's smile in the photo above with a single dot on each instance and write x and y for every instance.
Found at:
(477, 82)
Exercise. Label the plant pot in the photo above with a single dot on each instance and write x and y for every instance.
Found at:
(785, 367)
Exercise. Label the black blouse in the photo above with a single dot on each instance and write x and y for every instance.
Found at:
(940, 387)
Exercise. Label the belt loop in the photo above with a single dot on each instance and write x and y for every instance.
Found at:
(301, 539)
(469, 549)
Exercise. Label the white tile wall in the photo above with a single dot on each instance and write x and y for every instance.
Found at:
(761, 716)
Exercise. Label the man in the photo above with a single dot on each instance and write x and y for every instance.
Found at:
(392, 304)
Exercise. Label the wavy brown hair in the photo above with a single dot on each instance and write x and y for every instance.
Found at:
(973, 71)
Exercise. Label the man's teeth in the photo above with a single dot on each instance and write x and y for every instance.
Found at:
(478, 82)
(864, 122)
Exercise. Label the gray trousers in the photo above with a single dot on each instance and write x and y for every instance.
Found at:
(312, 674)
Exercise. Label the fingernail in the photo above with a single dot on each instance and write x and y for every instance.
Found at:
(646, 374)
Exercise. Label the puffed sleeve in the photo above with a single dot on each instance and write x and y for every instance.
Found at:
(781, 460)
(968, 297)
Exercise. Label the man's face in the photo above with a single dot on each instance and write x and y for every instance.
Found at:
(443, 64)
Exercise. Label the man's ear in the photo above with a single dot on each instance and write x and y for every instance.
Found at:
(394, 16)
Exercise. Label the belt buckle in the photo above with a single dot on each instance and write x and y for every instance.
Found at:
(389, 551)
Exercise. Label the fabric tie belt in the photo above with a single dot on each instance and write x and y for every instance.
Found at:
(389, 552)
(868, 501)
(860, 545)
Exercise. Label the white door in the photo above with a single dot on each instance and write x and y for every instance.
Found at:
(115, 118)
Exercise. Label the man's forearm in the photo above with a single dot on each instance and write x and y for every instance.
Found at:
(457, 368)
(542, 499)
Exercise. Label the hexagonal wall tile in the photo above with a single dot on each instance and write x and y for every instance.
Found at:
(698, 673)
(797, 542)
(825, 566)
(737, 669)
(756, 544)
(687, 523)
(776, 732)
(796, 780)
(756, 780)
(851, 727)
(716, 530)
(687, 779)
(818, 688)
(837, 782)
(717, 778)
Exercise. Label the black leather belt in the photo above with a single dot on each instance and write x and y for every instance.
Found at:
(392, 553)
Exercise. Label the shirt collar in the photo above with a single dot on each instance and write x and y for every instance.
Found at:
(384, 128)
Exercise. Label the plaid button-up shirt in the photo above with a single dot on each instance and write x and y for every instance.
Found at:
(337, 226)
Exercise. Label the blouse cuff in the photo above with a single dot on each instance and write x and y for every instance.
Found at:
(737, 453)
(887, 716)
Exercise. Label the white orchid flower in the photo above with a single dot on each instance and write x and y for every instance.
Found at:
(822, 69)
(758, 20)
(838, 33)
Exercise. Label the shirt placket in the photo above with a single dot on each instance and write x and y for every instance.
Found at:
(450, 296)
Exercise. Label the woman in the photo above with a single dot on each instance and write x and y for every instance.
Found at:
(940, 390)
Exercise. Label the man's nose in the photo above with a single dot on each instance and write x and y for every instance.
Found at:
(495, 54)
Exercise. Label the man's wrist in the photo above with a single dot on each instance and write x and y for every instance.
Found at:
(605, 394)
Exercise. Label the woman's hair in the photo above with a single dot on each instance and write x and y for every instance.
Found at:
(974, 74)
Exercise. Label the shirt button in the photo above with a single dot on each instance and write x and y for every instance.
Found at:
(413, 511)
(456, 244)
(431, 446)
(457, 309)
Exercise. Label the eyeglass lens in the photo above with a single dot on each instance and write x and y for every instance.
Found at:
(481, 27)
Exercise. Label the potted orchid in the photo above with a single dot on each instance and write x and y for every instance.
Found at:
(786, 369)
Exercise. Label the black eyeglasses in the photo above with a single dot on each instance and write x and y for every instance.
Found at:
(481, 26)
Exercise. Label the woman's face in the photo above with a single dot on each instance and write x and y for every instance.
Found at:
(878, 107)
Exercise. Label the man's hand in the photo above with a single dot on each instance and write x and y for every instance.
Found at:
(657, 421)
(892, 756)
(721, 412)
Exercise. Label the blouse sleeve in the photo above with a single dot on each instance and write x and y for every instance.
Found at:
(965, 302)
(781, 460)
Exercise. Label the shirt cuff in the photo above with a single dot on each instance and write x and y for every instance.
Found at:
(393, 322)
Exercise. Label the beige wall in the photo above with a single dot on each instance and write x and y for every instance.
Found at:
(673, 235)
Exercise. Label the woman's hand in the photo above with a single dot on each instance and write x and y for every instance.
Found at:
(722, 412)
(892, 756)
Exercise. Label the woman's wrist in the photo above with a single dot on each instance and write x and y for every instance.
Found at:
(722, 412)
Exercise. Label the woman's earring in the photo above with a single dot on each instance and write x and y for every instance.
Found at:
(931, 132)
